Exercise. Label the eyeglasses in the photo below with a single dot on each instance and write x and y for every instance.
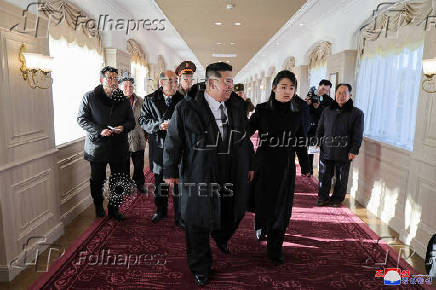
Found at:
(112, 78)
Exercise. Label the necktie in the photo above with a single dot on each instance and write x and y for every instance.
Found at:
(168, 102)
(224, 121)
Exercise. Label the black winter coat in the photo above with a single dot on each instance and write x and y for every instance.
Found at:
(280, 127)
(96, 112)
(340, 131)
(191, 142)
(153, 113)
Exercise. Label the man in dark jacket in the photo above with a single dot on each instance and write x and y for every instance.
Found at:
(304, 108)
(340, 131)
(106, 116)
(315, 110)
(156, 113)
(207, 138)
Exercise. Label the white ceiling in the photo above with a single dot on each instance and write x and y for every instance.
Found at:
(336, 21)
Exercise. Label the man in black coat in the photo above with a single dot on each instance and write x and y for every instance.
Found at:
(304, 108)
(155, 116)
(106, 116)
(340, 131)
(315, 110)
(207, 138)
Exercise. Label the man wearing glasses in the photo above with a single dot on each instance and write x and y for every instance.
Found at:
(206, 137)
(106, 116)
(155, 116)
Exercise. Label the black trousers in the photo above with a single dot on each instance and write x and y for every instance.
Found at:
(275, 240)
(310, 163)
(138, 167)
(161, 197)
(98, 177)
(198, 249)
(326, 171)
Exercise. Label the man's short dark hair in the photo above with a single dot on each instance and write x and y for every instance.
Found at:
(107, 69)
(214, 69)
(347, 85)
(325, 83)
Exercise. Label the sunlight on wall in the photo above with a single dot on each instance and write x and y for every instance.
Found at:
(412, 218)
(355, 183)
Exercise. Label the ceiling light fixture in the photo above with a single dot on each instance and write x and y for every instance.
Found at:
(223, 55)
(232, 43)
(237, 23)
(218, 23)
(219, 43)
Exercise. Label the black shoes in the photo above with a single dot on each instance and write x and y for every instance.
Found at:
(223, 247)
(141, 188)
(322, 203)
(277, 258)
(99, 211)
(114, 212)
(179, 223)
(335, 204)
(260, 236)
(201, 279)
(157, 217)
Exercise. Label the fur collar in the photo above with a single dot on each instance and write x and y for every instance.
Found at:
(346, 108)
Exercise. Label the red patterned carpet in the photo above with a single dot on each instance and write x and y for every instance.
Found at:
(325, 248)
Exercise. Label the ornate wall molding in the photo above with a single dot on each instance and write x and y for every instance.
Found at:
(289, 64)
(66, 19)
(318, 55)
(161, 63)
(136, 52)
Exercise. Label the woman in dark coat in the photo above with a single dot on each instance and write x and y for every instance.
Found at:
(281, 126)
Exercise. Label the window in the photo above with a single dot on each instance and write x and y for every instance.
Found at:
(76, 70)
(140, 74)
(316, 75)
(387, 91)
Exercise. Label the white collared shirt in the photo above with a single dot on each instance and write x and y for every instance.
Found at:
(214, 106)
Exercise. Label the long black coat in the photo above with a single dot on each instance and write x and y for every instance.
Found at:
(191, 141)
(274, 180)
(340, 131)
(96, 112)
(153, 113)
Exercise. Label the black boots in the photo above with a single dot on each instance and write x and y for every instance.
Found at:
(114, 212)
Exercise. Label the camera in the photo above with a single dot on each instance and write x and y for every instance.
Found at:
(313, 95)
(314, 99)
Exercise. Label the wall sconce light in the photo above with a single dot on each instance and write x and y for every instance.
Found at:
(35, 69)
(429, 69)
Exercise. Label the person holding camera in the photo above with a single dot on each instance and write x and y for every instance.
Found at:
(315, 110)
(323, 93)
